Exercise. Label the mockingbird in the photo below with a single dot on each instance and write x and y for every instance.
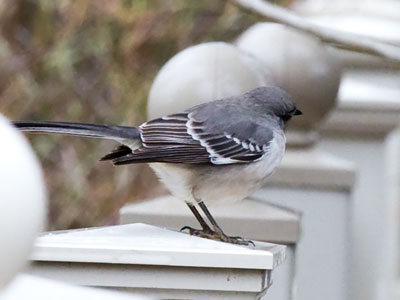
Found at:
(216, 152)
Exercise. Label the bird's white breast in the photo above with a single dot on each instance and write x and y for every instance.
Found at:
(216, 184)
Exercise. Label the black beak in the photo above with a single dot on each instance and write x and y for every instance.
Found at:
(297, 112)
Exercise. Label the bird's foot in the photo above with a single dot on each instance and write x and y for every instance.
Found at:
(205, 233)
(217, 236)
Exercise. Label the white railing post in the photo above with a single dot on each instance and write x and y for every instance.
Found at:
(152, 261)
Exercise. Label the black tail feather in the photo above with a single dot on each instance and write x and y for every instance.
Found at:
(118, 152)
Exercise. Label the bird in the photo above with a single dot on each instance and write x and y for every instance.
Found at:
(217, 152)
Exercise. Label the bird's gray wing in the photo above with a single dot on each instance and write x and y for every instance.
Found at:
(183, 138)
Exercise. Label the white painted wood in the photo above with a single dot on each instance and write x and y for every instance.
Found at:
(363, 130)
(308, 184)
(146, 276)
(283, 278)
(203, 73)
(196, 294)
(391, 277)
(146, 245)
(250, 218)
(386, 10)
(23, 201)
(369, 104)
(313, 168)
(365, 20)
(386, 29)
(139, 257)
(25, 287)
(322, 250)
(294, 69)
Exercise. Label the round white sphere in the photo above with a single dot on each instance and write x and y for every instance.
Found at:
(204, 73)
(302, 66)
(22, 201)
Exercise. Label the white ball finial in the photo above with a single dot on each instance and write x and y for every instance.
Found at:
(204, 73)
(301, 65)
(22, 201)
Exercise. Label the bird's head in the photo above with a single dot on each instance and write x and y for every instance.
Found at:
(274, 101)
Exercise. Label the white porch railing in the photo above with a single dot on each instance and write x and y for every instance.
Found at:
(157, 262)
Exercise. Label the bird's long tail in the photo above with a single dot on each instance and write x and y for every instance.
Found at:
(117, 133)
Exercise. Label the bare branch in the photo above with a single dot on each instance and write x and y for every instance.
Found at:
(336, 38)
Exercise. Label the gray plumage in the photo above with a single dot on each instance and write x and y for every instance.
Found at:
(232, 130)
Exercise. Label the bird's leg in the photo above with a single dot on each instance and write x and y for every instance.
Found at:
(218, 233)
(206, 229)
(210, 217)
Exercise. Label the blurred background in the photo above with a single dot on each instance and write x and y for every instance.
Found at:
(94, 61)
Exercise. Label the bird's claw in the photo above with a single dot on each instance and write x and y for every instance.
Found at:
(205, 233)
(240, 241)
(218, 236)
